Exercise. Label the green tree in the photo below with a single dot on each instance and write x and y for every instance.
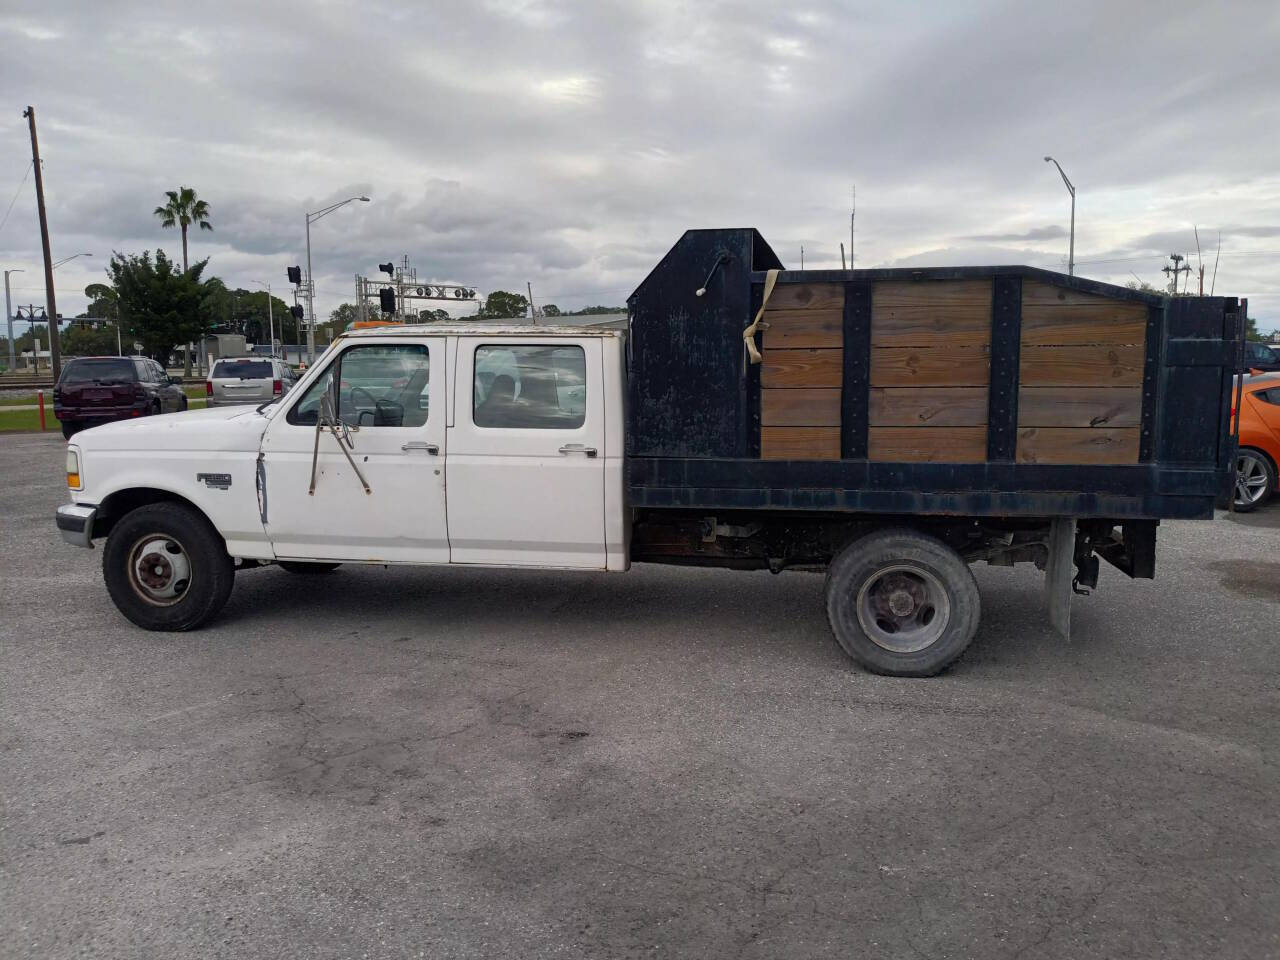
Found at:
(104, 302)
(85, 341)
(348, 313)
(500, 303)
(182, 210)
(160, 306)
(551, 310)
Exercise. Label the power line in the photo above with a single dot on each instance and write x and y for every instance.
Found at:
(25, 174)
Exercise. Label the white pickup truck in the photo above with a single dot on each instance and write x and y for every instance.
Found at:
(589, 448)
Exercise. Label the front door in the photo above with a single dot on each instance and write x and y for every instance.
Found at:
(390, 396)
(526, 453)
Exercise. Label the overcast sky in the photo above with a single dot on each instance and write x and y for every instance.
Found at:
(569, 144)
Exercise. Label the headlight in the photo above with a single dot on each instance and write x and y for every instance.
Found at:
(73, 469)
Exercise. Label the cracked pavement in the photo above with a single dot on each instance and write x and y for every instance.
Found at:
(666, 763)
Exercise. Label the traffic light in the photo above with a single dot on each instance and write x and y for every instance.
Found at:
(295, 275)
(388, 268)
(387, 299)
(297, 311)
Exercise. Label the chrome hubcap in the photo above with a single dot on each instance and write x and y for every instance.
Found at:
(1251, 479)
(159, 570)
(903, 608)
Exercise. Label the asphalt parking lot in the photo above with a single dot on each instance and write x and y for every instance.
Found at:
(667, 763)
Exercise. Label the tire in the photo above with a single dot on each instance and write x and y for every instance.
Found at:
(70, 428)
(902, 603)
(153, 595)
(1255, 480)
(306, 567)
(185, 404)
(156, 408)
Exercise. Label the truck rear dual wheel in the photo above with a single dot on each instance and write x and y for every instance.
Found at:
(166, 567)
(902, 603)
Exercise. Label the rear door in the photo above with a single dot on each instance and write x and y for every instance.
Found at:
(526, 453)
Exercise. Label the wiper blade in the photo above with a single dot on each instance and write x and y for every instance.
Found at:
(263, 406)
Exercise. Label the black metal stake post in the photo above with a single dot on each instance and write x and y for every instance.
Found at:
(50, 307)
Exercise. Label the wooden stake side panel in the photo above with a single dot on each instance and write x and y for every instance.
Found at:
(803, 328)
(928, 407)
(802, 407)
(930, 367)
(802, 372)
(1055, 315)
(1073, 407)
(927, 444)
(931, 313)
(800, 443)
(1080, 377)
(1078, 445)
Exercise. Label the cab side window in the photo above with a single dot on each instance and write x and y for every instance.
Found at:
(378, 385)
(530, 387)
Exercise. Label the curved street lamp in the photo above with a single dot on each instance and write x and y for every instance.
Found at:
(1071, 255)
(66, 259)
(311, 289)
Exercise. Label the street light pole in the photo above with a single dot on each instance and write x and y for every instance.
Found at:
(8, 318)
(50, 303)
(1071, 255)
(70, 258)
(271, 324)
(311, 286)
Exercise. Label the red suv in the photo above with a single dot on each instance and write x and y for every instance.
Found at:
(94, 390)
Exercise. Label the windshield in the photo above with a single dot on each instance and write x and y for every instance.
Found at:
(118, 369)
(242, 370)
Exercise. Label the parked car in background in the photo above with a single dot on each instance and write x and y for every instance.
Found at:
(1259, 447)
(1259, 356)
(94, 390)
(235, 380)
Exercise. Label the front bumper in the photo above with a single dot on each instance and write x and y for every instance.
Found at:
(75, 523)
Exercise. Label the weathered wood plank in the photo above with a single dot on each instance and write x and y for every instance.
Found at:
(803, 407)
(1081, 366)
(800, 443)
(807, 296)
(931, 313)
(928, 406)
(930, 367)
(804, 328)
(1056, 315)
(801, 368)
(1080, 407)
(1080, 445)
(927, 444)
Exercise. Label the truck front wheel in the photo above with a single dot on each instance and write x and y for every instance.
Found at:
(166, 567)
(902, 603)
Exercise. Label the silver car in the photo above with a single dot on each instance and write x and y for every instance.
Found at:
(247, 380)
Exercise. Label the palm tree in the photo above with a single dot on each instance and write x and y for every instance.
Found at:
(183, 209)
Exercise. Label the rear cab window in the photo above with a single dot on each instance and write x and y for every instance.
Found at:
(530, 386)
(99, 370)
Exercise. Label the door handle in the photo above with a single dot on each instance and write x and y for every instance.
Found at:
(578, 448)
(431, 448)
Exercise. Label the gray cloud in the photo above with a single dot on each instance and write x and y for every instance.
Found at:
(570, 144)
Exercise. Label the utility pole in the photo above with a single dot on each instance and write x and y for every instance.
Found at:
(1173, 271)
(802, 256)
(51, 308)
(533, 314)
(8, 318)
(853, 212)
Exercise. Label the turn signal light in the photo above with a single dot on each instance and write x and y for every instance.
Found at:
(73, 469)
(277, 387)
(208, 388)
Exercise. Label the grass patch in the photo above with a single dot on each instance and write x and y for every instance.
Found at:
(193, 391)
(28, 420)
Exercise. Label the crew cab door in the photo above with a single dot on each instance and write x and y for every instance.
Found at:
(391, 395)
(526, 452)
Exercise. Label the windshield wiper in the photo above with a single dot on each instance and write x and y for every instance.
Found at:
(263, 406)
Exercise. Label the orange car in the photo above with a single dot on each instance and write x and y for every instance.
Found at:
(1259, 441)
